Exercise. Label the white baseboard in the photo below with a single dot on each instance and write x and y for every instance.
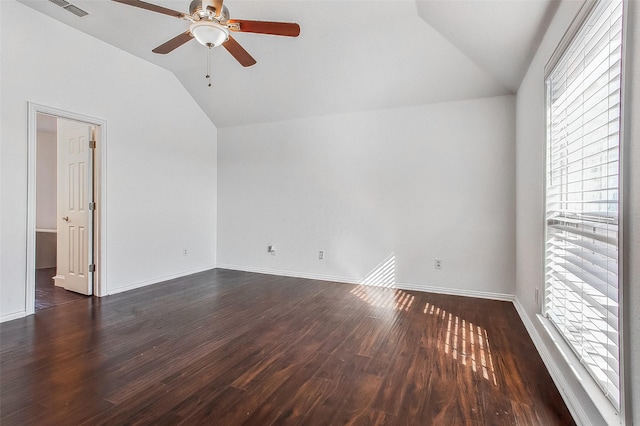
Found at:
(292, 274)
(158, 280)
(574, 406)
(456, 292)
(15, 315)
(401, 286)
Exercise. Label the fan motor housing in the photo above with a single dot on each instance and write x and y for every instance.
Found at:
(204, 9)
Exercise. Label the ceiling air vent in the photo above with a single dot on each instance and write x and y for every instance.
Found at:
(76, 10)
(70, 8)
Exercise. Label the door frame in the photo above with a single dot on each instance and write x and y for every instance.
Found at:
(99, 181)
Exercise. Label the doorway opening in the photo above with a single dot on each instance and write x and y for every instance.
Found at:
(51, 203)
(64, 228)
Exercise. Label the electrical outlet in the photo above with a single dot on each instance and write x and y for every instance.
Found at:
(537, 296)
(321, 255)
(272, 250)
(185, 252)
(437, 263)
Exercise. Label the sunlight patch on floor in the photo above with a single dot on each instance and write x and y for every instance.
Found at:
(395, 299)
(466, 342)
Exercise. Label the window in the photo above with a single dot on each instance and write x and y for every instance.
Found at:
(582, 194)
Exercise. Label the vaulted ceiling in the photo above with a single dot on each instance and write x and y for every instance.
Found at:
(350, 56)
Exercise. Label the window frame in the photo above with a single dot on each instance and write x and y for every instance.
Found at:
(609, 411)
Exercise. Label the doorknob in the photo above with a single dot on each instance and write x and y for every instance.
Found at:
(65, 218)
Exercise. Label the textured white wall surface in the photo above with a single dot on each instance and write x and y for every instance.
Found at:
(160, 153)
(395, 188)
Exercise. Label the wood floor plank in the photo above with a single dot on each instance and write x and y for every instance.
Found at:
(281, 395)
(295, 408)
(371, 417)
(231, 348)
(356, 403)
(48, 295)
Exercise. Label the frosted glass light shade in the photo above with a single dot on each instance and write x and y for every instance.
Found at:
(209, 33)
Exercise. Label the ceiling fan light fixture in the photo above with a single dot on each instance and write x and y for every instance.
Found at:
(209, 33)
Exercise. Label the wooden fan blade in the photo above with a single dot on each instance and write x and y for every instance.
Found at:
(287, 29)
(152, 7)
(238, 52)
(175, 42)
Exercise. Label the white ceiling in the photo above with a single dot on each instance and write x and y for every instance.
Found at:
(500, 36)
(351, 55)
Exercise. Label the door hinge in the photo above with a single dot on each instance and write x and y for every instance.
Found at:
(92, 144)
(92, 206)
(92, 267)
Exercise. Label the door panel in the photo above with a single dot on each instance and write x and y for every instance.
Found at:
(75, 220)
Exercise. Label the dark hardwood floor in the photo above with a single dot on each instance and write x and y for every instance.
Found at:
(48, 295)
(228, 348)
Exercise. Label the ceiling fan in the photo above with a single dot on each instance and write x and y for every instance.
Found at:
(211, 26)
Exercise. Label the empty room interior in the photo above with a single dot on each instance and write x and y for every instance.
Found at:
(320, 212)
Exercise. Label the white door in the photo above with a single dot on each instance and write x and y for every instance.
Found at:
(75, 219)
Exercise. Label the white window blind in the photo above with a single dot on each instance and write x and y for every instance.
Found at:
(583, 133)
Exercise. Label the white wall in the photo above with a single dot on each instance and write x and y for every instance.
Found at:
(417, 183)
(47, 177)
(160, 184)
(530, 125)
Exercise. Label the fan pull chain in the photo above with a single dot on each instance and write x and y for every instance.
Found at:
(208, 76)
